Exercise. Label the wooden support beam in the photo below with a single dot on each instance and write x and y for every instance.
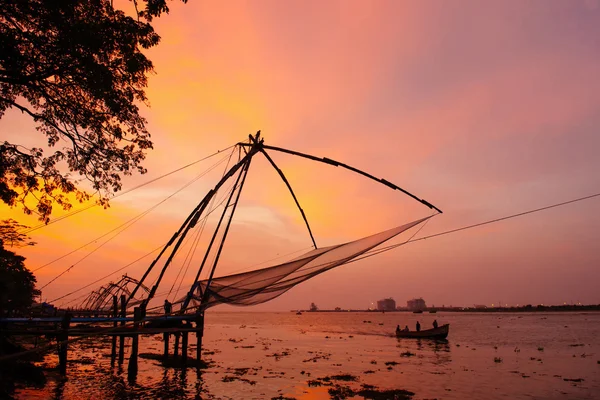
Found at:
(133, 358)
(122, 338)
(63, 343)
(176, 347)
(184, 347)
(166, 343)
(199, 334)
(113, 351)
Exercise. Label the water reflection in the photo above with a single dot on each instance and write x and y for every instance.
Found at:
(60, 388)
(429, 368)
(437, 351)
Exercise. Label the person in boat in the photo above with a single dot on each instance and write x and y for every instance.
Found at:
(418, 326)
(406, 329)
(435, 324)
(397, 329)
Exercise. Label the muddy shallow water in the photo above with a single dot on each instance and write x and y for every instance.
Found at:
(323, 355)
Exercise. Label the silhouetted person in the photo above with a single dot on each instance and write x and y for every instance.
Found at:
(397, 329)
(168, 307)
(418, 326)
(406, 329)
(435, 324)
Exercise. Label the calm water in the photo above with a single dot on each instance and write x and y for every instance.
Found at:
(267, 355)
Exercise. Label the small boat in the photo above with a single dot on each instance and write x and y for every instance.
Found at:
(418, 312)
(441, 332)
(298, 313)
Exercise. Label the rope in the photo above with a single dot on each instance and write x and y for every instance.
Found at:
(57, 219)
(383, 249)
(192, 250)
(122, 227)
(109, 275)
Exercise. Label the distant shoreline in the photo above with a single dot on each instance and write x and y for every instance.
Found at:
(528, 308)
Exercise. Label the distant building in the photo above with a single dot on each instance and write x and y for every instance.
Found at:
(386, 305)
(416, 304)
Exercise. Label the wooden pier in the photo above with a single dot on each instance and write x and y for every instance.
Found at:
(68, 328)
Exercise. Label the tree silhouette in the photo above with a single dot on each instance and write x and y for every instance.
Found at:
(17, 284)
(75, 67)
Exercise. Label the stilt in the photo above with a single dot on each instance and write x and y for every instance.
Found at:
(122, 337)
(63, 344)
(199, 333)
(166, 343)
(184, 345)
(176, 348)
(113, 352)
(132, 368)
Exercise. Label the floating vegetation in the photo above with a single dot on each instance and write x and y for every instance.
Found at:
(540, 349)
(391, 363)
(175, 362)
(407, 354)
(229, 378)
(370, 371)
(320, 356)
(278, 356)
(83, 361)
(368, 387)
(577, 345)
(344, 377)
(369, 392)
(340, 392)
(283, 398)
(497, 359)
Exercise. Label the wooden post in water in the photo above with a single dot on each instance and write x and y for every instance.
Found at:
(199, 333)
(63, 344)
(132, 368)
(122, 337)
(166, 343)
(176, 348)
(113, 351)
(184, 346)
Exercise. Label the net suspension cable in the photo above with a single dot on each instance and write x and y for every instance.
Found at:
(121, 228)
(77, 211)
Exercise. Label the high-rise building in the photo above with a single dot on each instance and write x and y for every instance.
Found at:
(388, 304)
(416, 304)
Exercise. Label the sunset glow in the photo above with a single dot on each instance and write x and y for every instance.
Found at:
(483, 109)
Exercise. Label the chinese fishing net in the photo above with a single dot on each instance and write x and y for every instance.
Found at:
(262, 285)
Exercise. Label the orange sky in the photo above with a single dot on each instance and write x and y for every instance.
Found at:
(484, 109)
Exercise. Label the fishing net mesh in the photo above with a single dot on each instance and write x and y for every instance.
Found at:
(259, 286)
